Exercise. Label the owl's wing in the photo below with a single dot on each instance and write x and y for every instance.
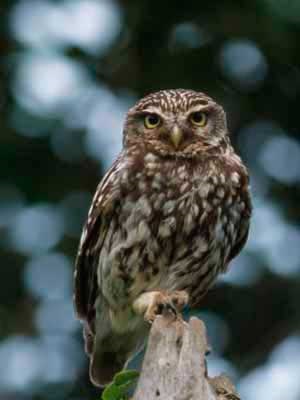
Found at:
(92, 238)
(243, 232)
(241, 239)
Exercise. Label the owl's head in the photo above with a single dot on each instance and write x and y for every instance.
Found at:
(176, 122)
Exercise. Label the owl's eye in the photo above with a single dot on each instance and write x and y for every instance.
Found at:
(151, 121)
(198, 118)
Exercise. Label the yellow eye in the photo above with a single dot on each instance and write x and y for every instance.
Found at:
(151, 121)
(198, 118)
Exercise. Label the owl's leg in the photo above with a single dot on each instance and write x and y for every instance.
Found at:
(118, 336)
(154, 303)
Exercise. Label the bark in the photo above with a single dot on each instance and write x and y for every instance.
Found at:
(174, 366)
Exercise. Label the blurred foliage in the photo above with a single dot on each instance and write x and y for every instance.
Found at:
(118, 389)
(69, 71)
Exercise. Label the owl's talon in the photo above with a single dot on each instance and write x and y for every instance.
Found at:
(179, 299)
(170, 307)
(159, 309)
(151, 304)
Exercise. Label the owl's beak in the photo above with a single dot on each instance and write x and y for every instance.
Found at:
(176, 136)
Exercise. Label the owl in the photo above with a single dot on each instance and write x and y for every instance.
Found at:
(166, 219)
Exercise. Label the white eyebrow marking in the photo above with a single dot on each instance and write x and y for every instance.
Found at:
(155, 110)
(152, 109)
(198, 107)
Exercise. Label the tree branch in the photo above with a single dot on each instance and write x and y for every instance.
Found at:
(174, 366)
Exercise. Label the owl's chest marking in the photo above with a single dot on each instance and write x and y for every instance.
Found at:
(173, 226)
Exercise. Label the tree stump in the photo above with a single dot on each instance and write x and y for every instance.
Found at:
(174, 366)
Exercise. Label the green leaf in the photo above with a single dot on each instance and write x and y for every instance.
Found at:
(117, 390)
(125, 377)
(112, 392)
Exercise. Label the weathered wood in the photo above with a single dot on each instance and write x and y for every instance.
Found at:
(174, 366)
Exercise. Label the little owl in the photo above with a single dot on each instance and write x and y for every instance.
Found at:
(166, 219)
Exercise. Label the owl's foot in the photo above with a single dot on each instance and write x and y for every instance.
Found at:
(151, 304)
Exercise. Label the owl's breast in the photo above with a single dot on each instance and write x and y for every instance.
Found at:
(174, 221)
(184, 201)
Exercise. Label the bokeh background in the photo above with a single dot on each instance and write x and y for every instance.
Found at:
(69, 71)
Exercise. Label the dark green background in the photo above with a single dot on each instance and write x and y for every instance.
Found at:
(62, 101)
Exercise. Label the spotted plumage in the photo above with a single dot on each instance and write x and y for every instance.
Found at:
(169, 215)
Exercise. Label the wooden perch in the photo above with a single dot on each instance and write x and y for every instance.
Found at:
(174, 366)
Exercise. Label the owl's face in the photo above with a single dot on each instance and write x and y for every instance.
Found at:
(176, 122)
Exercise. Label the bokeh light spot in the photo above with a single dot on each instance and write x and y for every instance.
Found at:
(56, 317)
(280, 158)
(49, 276)
(89, 24)
(36, 229)
(243, 63)
(48, 82)
(187, 35)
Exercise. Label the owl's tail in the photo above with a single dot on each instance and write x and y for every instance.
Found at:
(110, 350)
(108, 357)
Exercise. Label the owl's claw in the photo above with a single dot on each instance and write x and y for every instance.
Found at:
(151, 304)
